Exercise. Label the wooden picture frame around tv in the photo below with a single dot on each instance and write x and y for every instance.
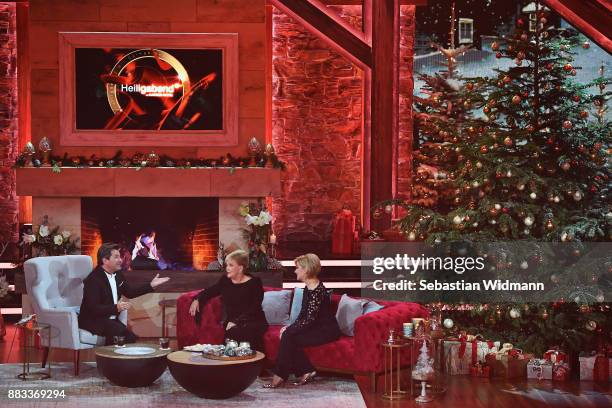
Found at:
(226, 132)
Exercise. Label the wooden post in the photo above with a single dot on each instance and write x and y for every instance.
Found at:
(384, 105)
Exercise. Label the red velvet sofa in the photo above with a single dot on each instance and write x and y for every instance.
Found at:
(361, 354)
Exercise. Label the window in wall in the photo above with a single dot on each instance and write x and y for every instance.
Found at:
(466, 31)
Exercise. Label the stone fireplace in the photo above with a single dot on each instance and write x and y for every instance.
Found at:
(186, 228)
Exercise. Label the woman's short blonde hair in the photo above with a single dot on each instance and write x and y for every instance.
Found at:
(240, 257)
(310, 263)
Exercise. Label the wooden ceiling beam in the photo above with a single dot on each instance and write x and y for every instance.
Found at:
(590, 17)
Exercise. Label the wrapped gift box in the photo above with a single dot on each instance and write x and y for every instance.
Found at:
(461, 354)
(508, 362)
(480, 370)
(596, 368)
(561, 371)
(539, 369)
(555, 356)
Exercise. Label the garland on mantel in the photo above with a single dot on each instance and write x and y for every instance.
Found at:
(140, 161)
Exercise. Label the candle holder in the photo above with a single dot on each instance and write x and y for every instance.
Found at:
(269, 153)
(254, 148)
(29, 151)
(45, 149)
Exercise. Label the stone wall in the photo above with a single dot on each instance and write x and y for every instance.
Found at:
(317, 114)
(8, 122)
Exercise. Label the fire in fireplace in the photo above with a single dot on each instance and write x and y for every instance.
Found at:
(154, 232)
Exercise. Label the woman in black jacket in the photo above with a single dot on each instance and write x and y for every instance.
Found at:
(241, 295)
(315, 325)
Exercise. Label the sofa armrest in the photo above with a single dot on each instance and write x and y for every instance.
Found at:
(64, 329)
(210, 328)
(373, 328)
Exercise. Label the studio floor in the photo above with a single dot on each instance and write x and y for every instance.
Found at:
(331, 390)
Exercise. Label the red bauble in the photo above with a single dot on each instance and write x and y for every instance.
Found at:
(550, 140)
(573, 72)
(567, 124)
(567, 67)
(505, 210)
(516, 99)
(584, 114)
(508, 141)
(498, 55)
(576, 98)
(484, 149)
(507, 79)
(524, 37)
(586, 45)
(549, 66)
(519, 22)
(469, 86)
(597, 145)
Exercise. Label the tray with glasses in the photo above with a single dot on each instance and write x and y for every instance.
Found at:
(229, 351)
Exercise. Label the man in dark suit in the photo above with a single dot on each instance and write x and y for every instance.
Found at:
(102, 293)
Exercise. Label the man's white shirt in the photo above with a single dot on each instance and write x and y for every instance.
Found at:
(113, 285)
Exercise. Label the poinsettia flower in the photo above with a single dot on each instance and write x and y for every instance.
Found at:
(66, 234)
(28, 238)
(58, 239)
(43, 231)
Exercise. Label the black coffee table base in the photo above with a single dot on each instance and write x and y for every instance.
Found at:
(215, 382)
(133, 372)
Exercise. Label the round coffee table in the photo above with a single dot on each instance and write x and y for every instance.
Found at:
(135, 365)
(215, 379)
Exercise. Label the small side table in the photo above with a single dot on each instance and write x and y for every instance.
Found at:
(29, 333)
(392, 369)
(164, 303)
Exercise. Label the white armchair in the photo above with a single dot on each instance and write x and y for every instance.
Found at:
(55, 284)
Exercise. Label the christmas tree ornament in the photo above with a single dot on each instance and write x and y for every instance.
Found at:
(520, 186)
(543, 20)
(549, 224)
(519, 22)
(591, 325)
(528, 221)
(524, 37)
(554, 278)
(388, 209)
(469, 86)
(484, 149)
(578, 195)
(508, 141)
(479, 165)
(573, 72)
(565, 166)
(475, 184)
(533, 196)
(515, 313)
(567, 67)
(44, 146)
(448, 323)
(549, 66)
(498, 55)
(567, 124)
(586, 45)
(411, 236)
(556, 199)
(544, 314)
(524, 265)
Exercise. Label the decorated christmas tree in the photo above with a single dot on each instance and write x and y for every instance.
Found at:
(532, 166)
(440, 115)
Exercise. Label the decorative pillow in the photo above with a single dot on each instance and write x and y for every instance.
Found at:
(372, 306)
(276, 306)
(296, 304)
(349, 310)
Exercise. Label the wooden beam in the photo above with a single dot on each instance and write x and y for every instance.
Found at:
(384, 104)
(590, 17)
(326, 23)
(23, 95)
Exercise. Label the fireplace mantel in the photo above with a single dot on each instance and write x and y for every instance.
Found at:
(148, 182)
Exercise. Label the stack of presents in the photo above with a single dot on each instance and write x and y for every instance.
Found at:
(472, 355)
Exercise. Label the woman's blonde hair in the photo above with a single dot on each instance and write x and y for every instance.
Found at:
(240, 257)
(309, 262)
